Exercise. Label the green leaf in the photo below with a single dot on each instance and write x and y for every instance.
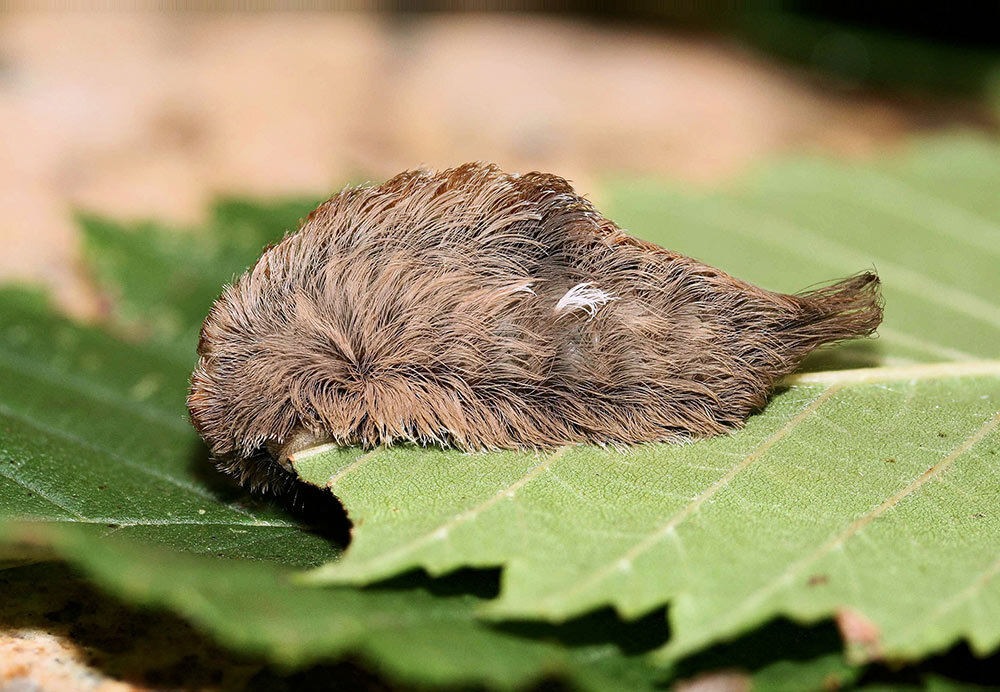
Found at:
(413, 634)
(781, 656)
(928, 221)
(800, 514)
(868, 495)
(871, 491)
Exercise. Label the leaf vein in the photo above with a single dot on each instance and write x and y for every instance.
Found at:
(761, 594)
(42, 494)
(651, 539)
(914, 282)
(444, 529)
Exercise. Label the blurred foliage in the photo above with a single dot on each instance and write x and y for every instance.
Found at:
(907, 48)
(164, 279)
(878, 54)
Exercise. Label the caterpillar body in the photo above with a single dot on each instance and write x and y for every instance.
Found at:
(485, 310)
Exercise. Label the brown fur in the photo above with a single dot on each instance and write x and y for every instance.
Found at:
(424, 310)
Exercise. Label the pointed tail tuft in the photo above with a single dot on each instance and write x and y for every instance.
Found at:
(848, 309)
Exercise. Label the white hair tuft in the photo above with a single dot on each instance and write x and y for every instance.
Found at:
(583, 297)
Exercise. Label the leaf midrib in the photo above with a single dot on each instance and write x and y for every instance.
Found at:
(925, 371)
(120, 523)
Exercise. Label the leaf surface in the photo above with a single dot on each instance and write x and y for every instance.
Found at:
(868, 493)
(99, 465)
(928, 220)
(877, 496)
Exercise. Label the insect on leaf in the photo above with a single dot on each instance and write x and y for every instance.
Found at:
(869, 495)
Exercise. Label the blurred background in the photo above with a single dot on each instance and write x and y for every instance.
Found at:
(155, 113)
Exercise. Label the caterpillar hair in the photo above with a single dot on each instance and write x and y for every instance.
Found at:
(485, 310)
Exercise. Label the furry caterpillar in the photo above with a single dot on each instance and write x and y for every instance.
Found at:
(487, 310)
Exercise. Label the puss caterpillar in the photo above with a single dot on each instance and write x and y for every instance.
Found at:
(484, 310)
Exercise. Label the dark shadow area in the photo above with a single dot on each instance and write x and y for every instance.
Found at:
(346, 675)
(317, 509)
(320, 512)
(64, 616)
(602, 626)
(632, 637)
(856, 354)
(481, 583)
(782, 640)
(778, 640)
(929, 52)
(846, 46)
(156, 650)
(144, 648)
(958, 664)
